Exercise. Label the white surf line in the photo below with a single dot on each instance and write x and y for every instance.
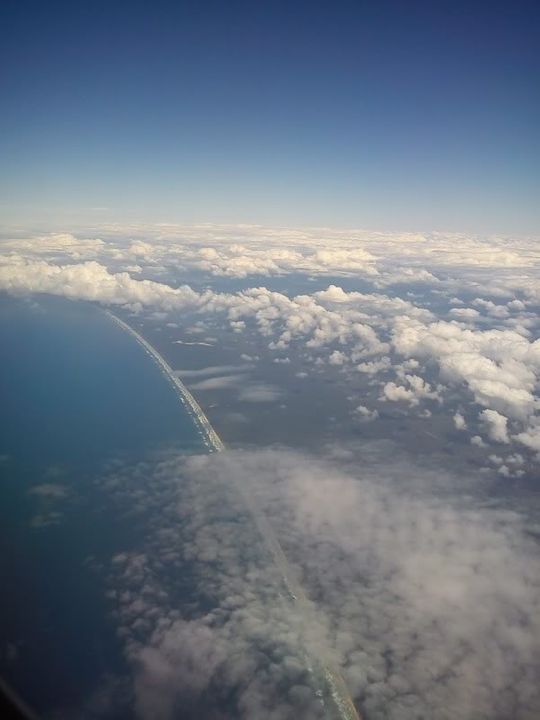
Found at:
(336, 694)
(210, 436)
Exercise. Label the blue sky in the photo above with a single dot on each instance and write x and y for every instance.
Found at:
(385, 115)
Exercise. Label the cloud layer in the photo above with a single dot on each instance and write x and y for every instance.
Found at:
(369, 331)
(428, 604)
(426, 601)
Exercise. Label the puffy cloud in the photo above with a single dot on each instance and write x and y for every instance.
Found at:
(465, 313)
(428, 604)
(337, 358)
(273, 313)
(437, 260)
(365, 414)
(238, 250)
(92, 281)
(460, 422)
(417, 390)
(499, 366)
(54, 245)
(531, 436)
(496, 311)
(496, 425)
(397, 393)
(372, 367)
(428, 608)
(191, 647)
(477, 440)
(241, 260)
(245, 638)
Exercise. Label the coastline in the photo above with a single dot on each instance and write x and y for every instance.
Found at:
(334, 696)
(210, 437)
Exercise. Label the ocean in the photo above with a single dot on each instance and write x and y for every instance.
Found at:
(79, 396)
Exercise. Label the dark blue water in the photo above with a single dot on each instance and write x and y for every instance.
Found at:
(77, 395)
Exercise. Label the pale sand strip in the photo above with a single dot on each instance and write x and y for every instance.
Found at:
(337, 700)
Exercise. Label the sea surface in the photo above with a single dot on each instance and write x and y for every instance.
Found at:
(78, 396)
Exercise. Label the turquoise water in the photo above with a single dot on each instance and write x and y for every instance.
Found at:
(78, 395)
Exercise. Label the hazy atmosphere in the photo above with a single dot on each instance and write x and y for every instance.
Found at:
(270, 366)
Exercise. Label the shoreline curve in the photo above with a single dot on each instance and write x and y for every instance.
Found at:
(210, 437)
(335, 697)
